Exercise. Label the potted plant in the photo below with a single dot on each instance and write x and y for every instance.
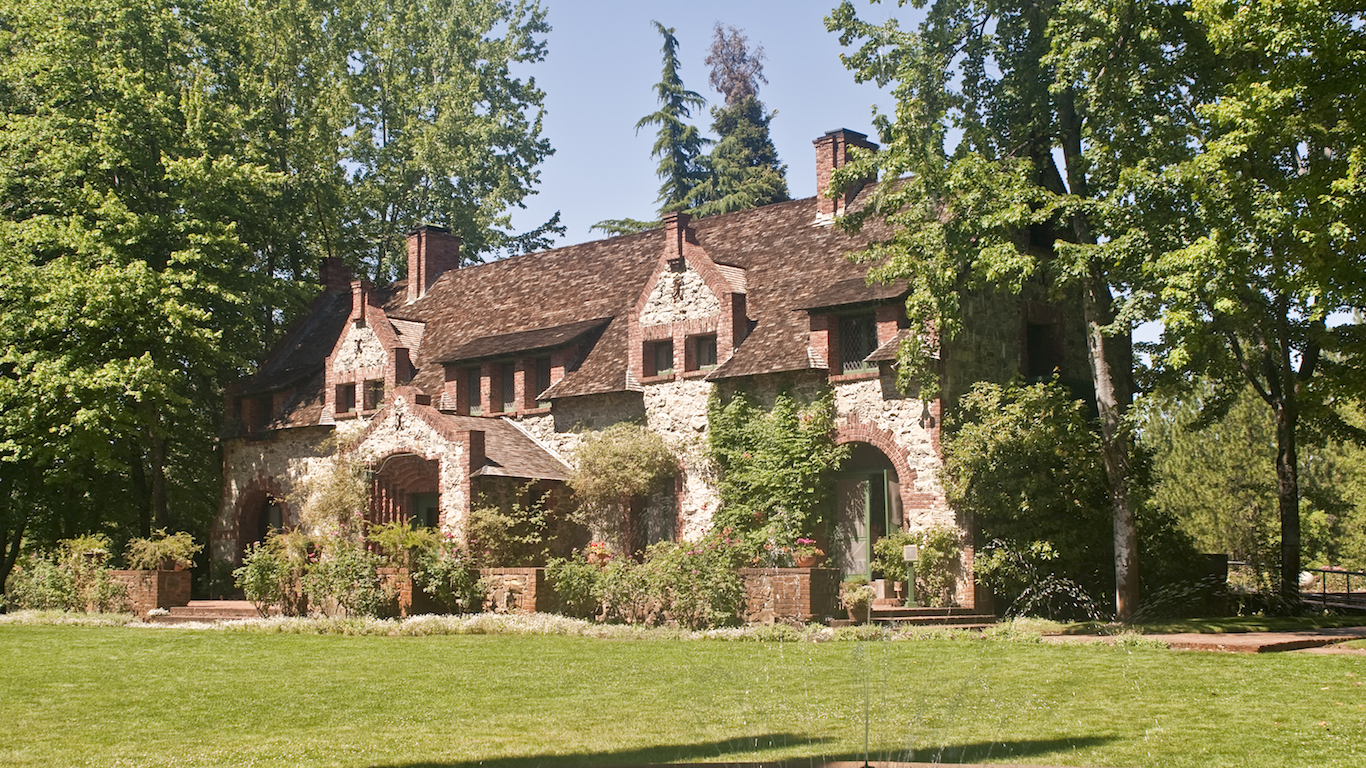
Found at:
(805, 553)
(162, 551)
(857, 598)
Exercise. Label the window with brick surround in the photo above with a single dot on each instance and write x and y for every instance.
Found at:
(374, 394)
(659, 358)
(857, 340)
(701, 354)
(507, 386)
(346, 398)
(474, 390)
(542, 381)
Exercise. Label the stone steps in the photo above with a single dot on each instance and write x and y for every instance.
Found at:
(207, 611)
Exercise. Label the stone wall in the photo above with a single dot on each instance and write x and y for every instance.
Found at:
(516, 590)
(359, 348)
(679, 296)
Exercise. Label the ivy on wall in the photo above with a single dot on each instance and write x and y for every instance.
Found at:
(777, 465)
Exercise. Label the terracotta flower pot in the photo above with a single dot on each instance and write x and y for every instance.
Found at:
(807, 562)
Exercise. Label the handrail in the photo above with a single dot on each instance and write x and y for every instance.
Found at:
(1343, 597)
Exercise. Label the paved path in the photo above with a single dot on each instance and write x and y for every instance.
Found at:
(1237, 642)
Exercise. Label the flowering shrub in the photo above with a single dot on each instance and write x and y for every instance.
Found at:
(344, 582)
(577, 582)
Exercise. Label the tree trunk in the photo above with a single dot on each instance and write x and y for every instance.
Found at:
(1112, 401)
(1288, 500)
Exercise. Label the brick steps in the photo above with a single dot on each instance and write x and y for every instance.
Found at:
(207, 611)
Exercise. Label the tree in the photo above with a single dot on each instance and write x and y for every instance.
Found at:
(1250, 197)
(1020, 196)
(172, 173)
(677, 144)
(742, 170)
(615, 470)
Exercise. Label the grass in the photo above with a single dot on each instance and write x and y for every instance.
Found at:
(127, 696)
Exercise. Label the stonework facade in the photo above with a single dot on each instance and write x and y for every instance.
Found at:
(467, 377)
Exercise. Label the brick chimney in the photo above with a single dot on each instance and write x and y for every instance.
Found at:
(832, 151)
(676, 232)
(360, 296)
(334, 275)
(431, 251)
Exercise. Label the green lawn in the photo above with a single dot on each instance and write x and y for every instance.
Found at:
(112, 696)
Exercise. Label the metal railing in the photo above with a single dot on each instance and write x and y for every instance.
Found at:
(1334, 588)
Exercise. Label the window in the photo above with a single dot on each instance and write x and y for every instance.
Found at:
(374, 394)
(542, 381)
(857, 340)
(474, 390)
(507, 385)
(1043, 352)
(346, 398)
(702, 354)
(659, 358)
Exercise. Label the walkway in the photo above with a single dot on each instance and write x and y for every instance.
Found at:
(1237, 642)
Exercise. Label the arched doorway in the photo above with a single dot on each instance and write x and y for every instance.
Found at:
(868, 499)
(259, 512)
(407, 488)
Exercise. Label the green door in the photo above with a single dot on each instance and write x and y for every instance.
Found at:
(862, 520)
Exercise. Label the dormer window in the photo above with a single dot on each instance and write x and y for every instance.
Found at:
(474, 388)
(374, 394)
(701, 353)
(659, 358)
(857, 340)
(346, 398)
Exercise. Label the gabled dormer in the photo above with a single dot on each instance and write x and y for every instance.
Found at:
(367, 360)
(690, 316)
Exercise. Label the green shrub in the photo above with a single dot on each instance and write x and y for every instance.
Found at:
(693, 584)
(620, 464)
(262, 577)
(344, 582)
(449, 577)
(150, 554)
(503, 532)
(39, 583)
(577, 584)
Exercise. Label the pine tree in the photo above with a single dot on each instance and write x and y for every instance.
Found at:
(743, 169)
(677, 145)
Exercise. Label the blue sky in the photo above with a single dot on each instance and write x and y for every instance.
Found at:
(599, 75)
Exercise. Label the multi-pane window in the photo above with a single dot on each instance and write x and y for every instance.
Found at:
(857, 340)
(374, 394)
(703, 352)
(659, 358)
(346, 398)
(474, 390)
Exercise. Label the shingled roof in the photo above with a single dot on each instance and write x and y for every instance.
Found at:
(782, 257)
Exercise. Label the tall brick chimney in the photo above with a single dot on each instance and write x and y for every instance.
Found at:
(431, 251)
(676, 232)
(832, 151)
(334, 275)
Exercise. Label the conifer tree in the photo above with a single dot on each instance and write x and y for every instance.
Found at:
(677, 144)
(743, 169)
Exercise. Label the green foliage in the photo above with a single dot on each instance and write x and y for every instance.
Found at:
(449, 576)
(333, 502)
(74, 578)
(577, 584)
(399, 544)
(628, 226)
(344, 582)
(690, 584)
(855, 594)
(504, 532)
(677, 144)
(613, 467)
(940, 546)
(777, 466)
(176, 549)
(263, 577)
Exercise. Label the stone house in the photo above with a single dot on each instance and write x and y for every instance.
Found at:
(464, 379)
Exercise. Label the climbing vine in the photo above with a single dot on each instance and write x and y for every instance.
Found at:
(777, 466)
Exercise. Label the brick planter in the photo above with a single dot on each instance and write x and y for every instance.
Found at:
(794, 595)
(411, 601)
(154, 589)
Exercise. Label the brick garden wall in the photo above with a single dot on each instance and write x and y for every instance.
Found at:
(154, 589)
(790, 594)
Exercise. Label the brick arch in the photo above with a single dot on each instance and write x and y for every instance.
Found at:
(397, 474)
(246, 516)
(855, 430)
